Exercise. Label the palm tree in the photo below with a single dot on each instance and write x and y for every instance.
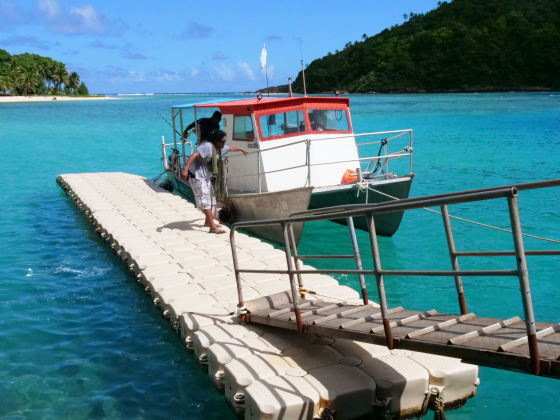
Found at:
(43, 69)
(4, 84)
(60, 76)
(29, 81)
(14, 78)
(50, 71)
(74, 82)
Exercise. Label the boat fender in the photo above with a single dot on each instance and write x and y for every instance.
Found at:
(225, 214)
(349, 176)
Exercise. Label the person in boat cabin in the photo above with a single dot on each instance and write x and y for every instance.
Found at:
(318, 120)
(205, 125)
(200, 168)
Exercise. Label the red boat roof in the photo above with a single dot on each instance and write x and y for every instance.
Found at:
(243, 106)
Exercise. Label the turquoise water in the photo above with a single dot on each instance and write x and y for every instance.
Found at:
(79, 339)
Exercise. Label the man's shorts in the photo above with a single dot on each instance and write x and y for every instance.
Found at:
(203, 193)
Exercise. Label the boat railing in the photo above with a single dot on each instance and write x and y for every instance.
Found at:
(370, 167)
(171, 151)
(348, 212)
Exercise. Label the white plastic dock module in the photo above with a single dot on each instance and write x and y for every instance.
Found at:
(265, 372)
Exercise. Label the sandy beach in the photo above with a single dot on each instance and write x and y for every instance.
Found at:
(15, 99)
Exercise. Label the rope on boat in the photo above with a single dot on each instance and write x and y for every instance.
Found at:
(158, 177)
(461, 218)
(425, 404)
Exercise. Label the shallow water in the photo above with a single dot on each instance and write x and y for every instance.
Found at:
(79, 339)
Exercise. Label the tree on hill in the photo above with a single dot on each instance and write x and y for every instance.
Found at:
(463, 45)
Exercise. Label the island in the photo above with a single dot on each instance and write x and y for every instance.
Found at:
(461, 46)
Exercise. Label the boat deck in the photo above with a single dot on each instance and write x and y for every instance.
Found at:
(490, 342)
(264, 371)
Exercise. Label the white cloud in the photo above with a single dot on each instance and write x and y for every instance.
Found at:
(246, 70)
(88, 17)
(114, 74)
(169, 76)
(225, 73)
(50, 8)
(135, 76)
(84, 19)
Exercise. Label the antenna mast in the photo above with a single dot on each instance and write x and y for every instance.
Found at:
(302, 69)
(303, 76)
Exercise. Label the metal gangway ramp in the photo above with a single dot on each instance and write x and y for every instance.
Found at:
(522, 345)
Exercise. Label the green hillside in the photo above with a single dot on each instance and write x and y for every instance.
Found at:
(463, 45)
(32, 74)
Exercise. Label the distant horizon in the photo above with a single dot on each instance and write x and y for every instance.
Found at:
(331, 93)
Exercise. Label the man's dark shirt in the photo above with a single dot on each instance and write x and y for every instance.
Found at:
(206, 127)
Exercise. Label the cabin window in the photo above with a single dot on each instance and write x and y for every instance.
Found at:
(281, 124)
(243, 128)
(328, 120)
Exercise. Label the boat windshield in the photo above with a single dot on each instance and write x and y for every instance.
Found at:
(328, 120)
(274, 125)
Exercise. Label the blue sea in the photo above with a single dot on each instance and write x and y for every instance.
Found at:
(78, 337)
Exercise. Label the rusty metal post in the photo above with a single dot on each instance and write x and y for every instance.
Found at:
(293, 245)
(291, 274)
(524, 281)
(379, 279)
(454, 260)
(357, 259)
(240, 306)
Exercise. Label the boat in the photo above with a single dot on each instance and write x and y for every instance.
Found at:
(303, 154)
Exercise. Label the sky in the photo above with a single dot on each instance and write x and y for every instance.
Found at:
(168, 46)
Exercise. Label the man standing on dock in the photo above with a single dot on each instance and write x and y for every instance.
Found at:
(201, 167)
(206, 126)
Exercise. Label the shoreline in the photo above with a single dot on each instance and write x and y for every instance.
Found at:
(19, 99)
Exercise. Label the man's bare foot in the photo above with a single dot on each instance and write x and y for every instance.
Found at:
(215, 224)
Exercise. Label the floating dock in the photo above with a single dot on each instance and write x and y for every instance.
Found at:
(264, 372)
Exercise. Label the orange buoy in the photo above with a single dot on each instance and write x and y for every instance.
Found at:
(349, 176)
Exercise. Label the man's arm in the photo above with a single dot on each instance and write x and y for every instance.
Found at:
(238, 149)
(185, 171)
(189, 127)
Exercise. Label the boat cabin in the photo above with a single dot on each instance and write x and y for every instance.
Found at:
(293, 142)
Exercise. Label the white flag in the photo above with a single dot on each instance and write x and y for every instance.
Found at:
(263, 57)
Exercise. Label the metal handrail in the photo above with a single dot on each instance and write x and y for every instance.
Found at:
(390, 156)
(368, 211)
